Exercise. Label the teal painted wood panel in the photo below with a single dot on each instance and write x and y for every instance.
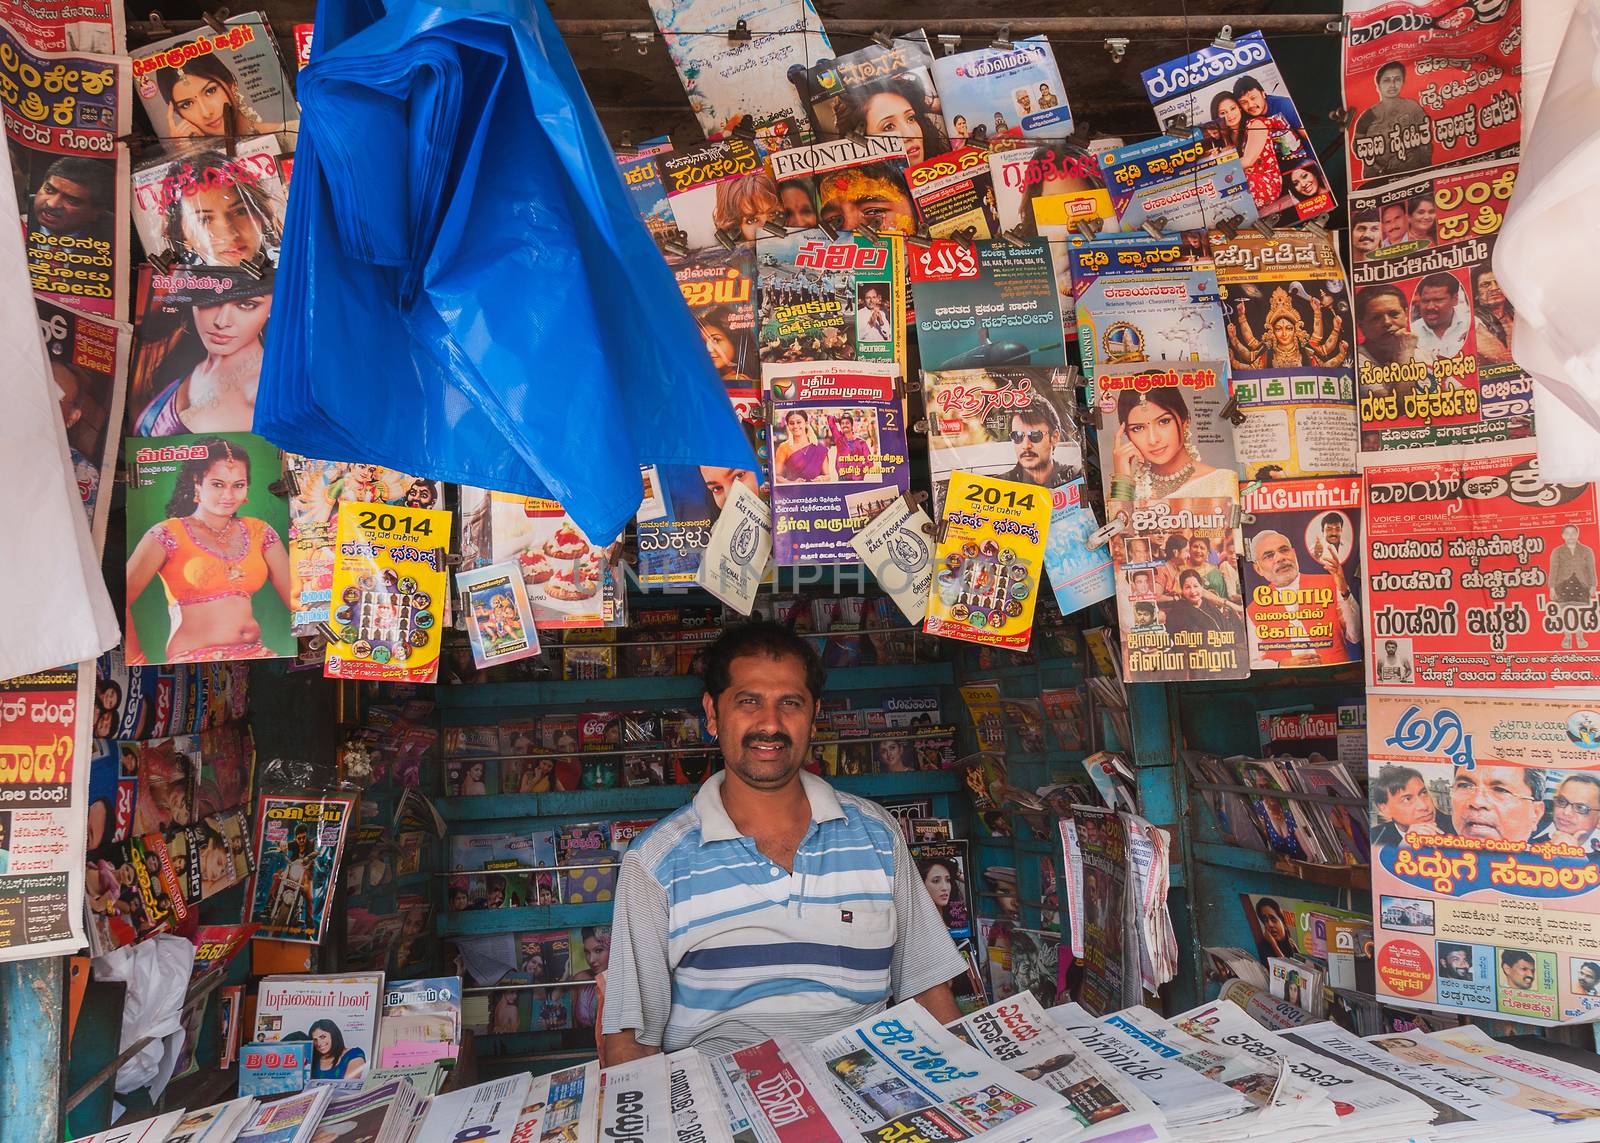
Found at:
(32, 1021)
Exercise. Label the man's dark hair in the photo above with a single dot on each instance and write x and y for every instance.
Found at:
(1330, 518)
(93, 175)
(1394, 65)
(1443, 282)
(1366, 295)
(1187, 574)
(1039, 412)
(1174, 545)
(1511, 956)
(1591, 966)
(1197, 538)
(1391, 780)
(761, 637)
(1248, 83)
(1592, 779)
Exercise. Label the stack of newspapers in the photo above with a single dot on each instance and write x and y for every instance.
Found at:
(1010, 1073)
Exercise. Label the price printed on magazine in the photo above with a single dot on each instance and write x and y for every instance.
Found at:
(389, 586)
(988, 562)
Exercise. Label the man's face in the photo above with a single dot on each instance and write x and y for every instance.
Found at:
(1333, 534)
(1577, 807)
(1394, 223)
(1033, 444)
(65, 207)
(1587, 979)
(720, 482)
(1383, 319)
(1275, 560)
(762, 721)
(1410, 806)
(1437, 306)
(847, 428)
(1458, 960)
(1569, 534)
(1390, 647)
(1519, 973)
(1493, 803)
(1253, 101)
(1390, 80)
(1364, 236)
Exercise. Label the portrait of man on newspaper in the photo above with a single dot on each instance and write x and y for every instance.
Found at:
(792, 909)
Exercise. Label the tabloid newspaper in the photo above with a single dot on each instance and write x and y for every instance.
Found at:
(954, 192)
(1101, 908)
(830, 299)
(1366, 1106)
(1430, 1055)
(1008, 90)
(1430, 82)
(560, 1107)
(1480, 574)
(899, 1073)
(839, 456)
(858, 91)
(56, 26)
(197, 205)
(730, 81)
(1471, 1042)
(986, 304)
(719, 192)
(1237, 91)
(64, 111)
(88, 360)
(1184, 1096)
(1192, 182)
(1434, 358)
(1485, 875)
(774, 1092)
(1144, 299)
(1459, 1109)
(1302, 572)
(211, 84)
(485, 1113)
(986, 421)
(697, 1114)
(1291, 349)
(865, 184)
(1019, 1034)
(635, 1100)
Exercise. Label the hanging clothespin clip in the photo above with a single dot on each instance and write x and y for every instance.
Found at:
(215, 20)
(1224, 41)
(740, 32)
(727, 240)
(870, 233)
(914, 499)
(1002, 40)
(675, 243)
(948, 43)
(642, 41)
(253, 267)
(914, 384)
(965, 236)
(1339, 116)
(744, 129)
(921, 239)
(158, 25)
(1088, 228)
(775, 228)
(1232, 411)
(162, 261)
(626, 147)
(1013, 237)
(1101, 536)
(1117, 46)
(828, 228)
(920, 426)
(1177, 126)
(1339, 27)
(1156, 227)
(615, 40)
(859, 138)
(1071, 376)
(1264, 228)
(941, 530)
(287, 485)
(1230, 226)
(883, 40)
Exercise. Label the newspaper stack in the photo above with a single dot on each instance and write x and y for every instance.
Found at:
(485, 1111)
(1286, 1107)
(1368, 1108)
(666, 1099)
(1105, 1103)
(1150, 855)
(1461, 1109)
(1196, 1107)
(562, 1105)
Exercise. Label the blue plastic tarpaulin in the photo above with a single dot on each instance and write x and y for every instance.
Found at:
(466, 291)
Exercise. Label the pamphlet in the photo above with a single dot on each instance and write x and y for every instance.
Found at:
(897, 548)
(989, 561)
(389, 594)
(499, 619)
(736, 557)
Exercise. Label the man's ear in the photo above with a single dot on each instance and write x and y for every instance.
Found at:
(710, 707)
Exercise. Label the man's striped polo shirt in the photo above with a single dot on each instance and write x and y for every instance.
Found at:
(715, 946)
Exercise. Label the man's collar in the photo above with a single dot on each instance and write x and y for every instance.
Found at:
(716, 825)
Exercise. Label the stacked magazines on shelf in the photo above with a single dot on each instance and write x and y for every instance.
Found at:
(1321, 819)
(1014, 1071)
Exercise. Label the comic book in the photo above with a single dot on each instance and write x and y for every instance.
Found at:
(954, 192)
(1291, 350)
(1188, 182)
(733, 82)
(571, 581)
(1302, 572)
(1012, 90)
(298, 845)
(986, 304)
(720, 193)
(194, 204)
(209, 84)
(88, 360)
(1013, 422)
(831, 299)
(1235, 89)
(848, 184)
(839, 455)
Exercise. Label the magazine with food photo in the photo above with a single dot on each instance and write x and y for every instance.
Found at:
(571, 582)
(338, 1014)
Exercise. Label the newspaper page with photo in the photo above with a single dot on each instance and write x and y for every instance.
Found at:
(773, 1092)
(731, 82)
(984, 304)
(1235, 88)
(1473, 1043)
(1573, 1116)
(1367, 1108)
(562, 1107)
(1485, 853)
(1459, 1109)
(97, 26)
(1434, 359)
(1291, 349)
(1186, 182)
(486, 1113)
(64, 112)
(1430, 82)
(1480, 574)
(899, 1073)
(1302, 572)
(1019, 1034)
(1101, 909)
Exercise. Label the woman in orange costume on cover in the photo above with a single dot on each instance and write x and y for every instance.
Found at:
(211, 562)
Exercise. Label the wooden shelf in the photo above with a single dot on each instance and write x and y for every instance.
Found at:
(1353, 877)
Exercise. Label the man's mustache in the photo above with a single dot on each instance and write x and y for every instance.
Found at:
(779, 739)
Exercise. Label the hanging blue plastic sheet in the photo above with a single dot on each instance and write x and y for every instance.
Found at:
(466, 291)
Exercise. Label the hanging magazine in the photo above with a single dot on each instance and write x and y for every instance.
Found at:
(719, 193)
(1190, 182)
(831, 299)
(1302, 572)
(571, 582)
(838, 455)
(299, 841)
(955, 192)
(88, 359)
(851, 183)
(985, 304)
(1008, 90)
(198, 205)
(882, 89)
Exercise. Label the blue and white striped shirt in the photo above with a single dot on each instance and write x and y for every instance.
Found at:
(715, 946)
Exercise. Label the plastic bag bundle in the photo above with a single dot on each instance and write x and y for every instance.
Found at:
(466, 291)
